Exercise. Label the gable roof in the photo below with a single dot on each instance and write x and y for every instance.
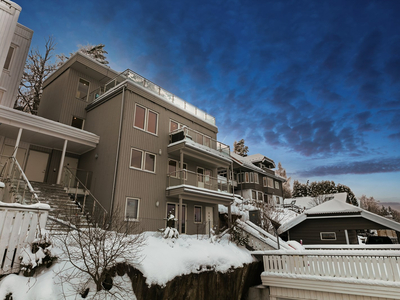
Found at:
(308, 202)
(338, 208)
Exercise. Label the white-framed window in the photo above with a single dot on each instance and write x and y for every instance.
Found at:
(174, 125)
(251, 177)
(265, 184)
(197, 214)
(173, 168)
(253, 194)
(82, 91)
(9, 57)
(256, 177)
(142, 160)
(277, 185)
(328, 236)
(246, 177)
(146, 119)
(270, 182)
(259, 196)
(132, 209)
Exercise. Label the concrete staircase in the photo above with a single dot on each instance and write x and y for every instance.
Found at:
(65, 214)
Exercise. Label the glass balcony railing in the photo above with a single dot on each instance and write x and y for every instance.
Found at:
(185, 177)
(164, 94)
(190, 134)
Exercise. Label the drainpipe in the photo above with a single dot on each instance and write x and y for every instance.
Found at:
(17, 143)
(117, 155)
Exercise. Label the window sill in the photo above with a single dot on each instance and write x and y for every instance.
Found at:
(132, 168)
(141, 129)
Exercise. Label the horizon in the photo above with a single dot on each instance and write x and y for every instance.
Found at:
(311, 85)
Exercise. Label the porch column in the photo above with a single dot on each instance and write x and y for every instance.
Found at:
(347, 237)
(180, 217)
(17, 143)
(60, 168)
(181, 167)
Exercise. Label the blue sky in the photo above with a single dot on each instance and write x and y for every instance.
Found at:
(311, 84)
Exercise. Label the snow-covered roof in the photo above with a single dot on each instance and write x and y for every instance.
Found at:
(254, 158)
(308, 202)
(336, 206)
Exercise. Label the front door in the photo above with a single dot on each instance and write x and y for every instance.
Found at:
(36, 165)
(209, 218)
(173, 210)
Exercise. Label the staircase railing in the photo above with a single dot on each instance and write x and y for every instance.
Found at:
(83, 197)
(17, 187)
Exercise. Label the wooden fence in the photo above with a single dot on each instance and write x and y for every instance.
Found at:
(19, 226)
(352, 265)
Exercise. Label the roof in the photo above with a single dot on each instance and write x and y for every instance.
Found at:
(308, 202)
(338, 208)
(255, 158)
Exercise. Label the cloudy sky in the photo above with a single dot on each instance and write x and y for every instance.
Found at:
(311, 84)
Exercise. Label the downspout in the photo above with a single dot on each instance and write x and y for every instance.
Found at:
(117, 155)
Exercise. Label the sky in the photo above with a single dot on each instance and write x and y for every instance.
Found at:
(311, 84)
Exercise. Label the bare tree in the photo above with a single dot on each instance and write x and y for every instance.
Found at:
(38, 67)
(240, 148)
(93, 252)
(287, 192)
(370, 204)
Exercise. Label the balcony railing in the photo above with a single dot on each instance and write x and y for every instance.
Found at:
(345, 265)
(185, 177)
(164, 94)
(199, 138)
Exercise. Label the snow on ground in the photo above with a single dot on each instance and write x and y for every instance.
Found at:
(161, 261)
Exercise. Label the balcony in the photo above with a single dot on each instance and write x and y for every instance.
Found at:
(153, 88)
(355, 272)
(199, 187)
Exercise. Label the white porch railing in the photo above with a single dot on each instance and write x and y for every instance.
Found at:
(19, 226)
(345, 266)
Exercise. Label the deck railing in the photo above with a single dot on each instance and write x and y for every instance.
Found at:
(185, 177)
(199, 138)
(147, 84)
(352, 265)
(17, 188)
(83, 197)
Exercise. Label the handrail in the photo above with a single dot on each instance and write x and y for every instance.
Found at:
(9, 172)
(87, 192)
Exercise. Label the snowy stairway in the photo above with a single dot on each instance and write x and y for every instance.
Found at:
(259, 239)
(65, 213)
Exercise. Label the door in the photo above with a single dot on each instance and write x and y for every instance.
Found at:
(200, 177)
(72, 164)
(209, 218)
(8, 151)
(172, 210)
(36, 165)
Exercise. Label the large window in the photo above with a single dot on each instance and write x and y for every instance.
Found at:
(328, 236)
(270, 182)
(256, 177)
(83, 89)
(146, 119)
(143, 160)
(277, 185)
(197, 214)
(9, 57)
(132, 209)
(173, 168)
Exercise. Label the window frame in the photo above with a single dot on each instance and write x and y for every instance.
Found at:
(179, 125)
(83, 122)
(258, 196)
(253, 193)
(270, 180)
(251, 179)
(143, 161)
(201, 214)
(265, 183)
(137, 210)
(146, 119)
(327, 239)
(88, 90)
(256, 180)
(184, 230)
(10, 62)
(276, 185)
(177, 168)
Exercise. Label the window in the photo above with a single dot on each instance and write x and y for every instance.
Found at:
(173, 168)
(132, 209)
(256, 177)
(251, 177)
(265, 181)
(197, 214)
(83, 89)
(253, 195)
(270, 182)
(10, 53)
(146, 119)
(173, 125)
(143, 160)
(328, 236)
(77, 122)
(246, 177)
(173, 210)
(260, 196)
(266, 198)
(277, 185)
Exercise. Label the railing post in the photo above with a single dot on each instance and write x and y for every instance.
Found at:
(84, 202)
(76, 191)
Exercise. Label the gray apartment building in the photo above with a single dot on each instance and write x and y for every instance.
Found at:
(156, 153)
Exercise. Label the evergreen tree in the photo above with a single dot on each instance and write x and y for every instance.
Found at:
(96, 52)
(240, 148)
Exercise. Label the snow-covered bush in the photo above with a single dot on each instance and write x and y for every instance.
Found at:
(170, 233)
(237, 236)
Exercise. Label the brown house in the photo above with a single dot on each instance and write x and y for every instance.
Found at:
(333, 222)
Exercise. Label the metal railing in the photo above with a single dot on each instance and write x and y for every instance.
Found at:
(164, 94)
(199, 138)
(186, 177)
(17, 187)
(83, 197)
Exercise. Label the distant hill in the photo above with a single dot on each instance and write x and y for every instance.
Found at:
(394, 205)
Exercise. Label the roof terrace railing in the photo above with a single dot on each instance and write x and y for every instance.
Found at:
(164, 94)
